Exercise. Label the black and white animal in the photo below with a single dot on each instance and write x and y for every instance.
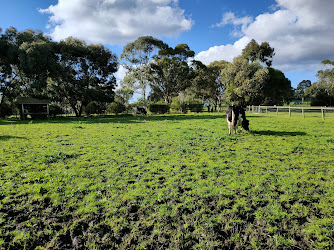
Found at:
(235, 116)
(139, 111)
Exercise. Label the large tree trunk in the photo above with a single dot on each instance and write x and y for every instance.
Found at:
(1, 102)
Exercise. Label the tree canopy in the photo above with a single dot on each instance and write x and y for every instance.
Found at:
(264, 53)
(171, 72)
(69, 71)
(139, 54)
(300, 90)
(243, 80)
(86, 74)
(75, 74)
(322, 91)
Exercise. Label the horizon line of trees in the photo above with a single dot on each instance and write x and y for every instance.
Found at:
(74, 74)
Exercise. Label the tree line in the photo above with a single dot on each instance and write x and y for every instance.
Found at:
(321, 93)
(69, 72)
(77, 75)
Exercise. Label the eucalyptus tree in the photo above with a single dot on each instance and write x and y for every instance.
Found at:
(322, 91)
(218, 85)
(125, 92)
(276, 90)
(301, 87)
(38, 62)
(264, 53)
(7, 59)
(327, 76)
(86, 73)
(207, 83)
(27, 59)
(171, 72)
(139, 54)
(243, 80)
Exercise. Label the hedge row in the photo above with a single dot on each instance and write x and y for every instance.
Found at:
(159, 108)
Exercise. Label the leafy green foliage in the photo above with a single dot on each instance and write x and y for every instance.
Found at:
(322, 92)
(300, 90)
(159, 108)
(195, 107)
(243, 81)
(276, 90)
(169, 78)
(86, 74)
(140, 53)
(55, 109)
(95, 107)
(169, 181)
(117, 108)
(253, 51)
(178, 105)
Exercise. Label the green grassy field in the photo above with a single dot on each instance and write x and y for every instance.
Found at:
(173, 181)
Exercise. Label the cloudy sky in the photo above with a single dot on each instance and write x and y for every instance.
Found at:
(300, 31)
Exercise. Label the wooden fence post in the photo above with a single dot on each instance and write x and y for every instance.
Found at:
(303, 113)
(277, 111)
(323, 113)
(289, 111)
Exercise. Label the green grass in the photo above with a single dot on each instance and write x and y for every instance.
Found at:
(173, 181)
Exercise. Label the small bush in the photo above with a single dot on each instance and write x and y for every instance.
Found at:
(94, 107)
(55, 109)
(318, 102)
(179, 106)
(6, 109)
(159, 108)
(196, 107)
(117, 108)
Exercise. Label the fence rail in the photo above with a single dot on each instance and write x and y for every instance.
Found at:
(290, 109)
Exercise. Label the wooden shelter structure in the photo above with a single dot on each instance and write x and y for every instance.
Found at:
(36, 108)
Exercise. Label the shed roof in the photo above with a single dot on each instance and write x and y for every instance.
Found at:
(29, 100)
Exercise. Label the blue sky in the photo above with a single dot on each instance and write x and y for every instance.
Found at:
(299, 30)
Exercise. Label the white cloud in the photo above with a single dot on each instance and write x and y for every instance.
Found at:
(120, 74)
(230, 18)
(300, 31)
(115, 21)
(223, 52)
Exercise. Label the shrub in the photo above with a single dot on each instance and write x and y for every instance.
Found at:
(320, 102)
(195, 107)
(117, 108)
(94, 107)
(6, 109)
(141, 102)
(179, 106)
(156, 108)
(55, 109)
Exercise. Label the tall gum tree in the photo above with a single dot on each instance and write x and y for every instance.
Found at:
(27, 59)
(171, 72)
(322, 91)
(86, 74)
(207, 83)
(243, 81)
(139, 54)
(264, 53)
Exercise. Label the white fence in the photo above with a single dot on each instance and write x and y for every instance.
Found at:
(291, 109)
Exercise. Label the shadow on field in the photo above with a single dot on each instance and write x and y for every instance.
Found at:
(277, 133)
(118, 119)
(8, 137)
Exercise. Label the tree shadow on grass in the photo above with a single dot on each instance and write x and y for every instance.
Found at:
(8, 137)
(126, 119)
(278, 133)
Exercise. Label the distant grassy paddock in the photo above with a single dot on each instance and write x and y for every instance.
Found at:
(173, 181)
